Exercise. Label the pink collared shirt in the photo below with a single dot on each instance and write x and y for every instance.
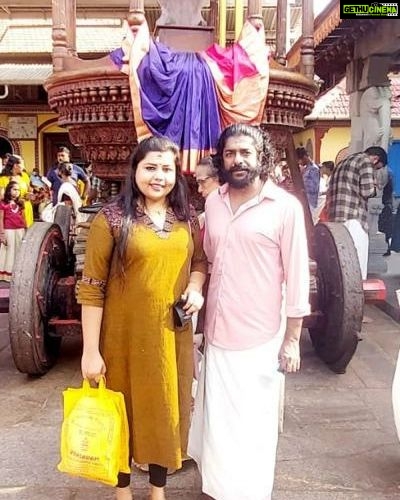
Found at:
(255, 254)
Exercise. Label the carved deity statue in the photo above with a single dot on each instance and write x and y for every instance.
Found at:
(174, 13)
(370, 102)
(375, 113)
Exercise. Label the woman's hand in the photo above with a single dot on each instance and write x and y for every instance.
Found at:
(3, 239)
(92, 365)
(194, 299)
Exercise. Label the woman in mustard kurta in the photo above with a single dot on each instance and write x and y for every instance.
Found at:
(143, 254)
(13, 171)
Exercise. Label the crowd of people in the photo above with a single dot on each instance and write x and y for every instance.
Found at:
(358, 192)
(28, 197)
(16, 211)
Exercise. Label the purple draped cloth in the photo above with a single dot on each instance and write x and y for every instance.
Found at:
(189, 97)
(178, 98)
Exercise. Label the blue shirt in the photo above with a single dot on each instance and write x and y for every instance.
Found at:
(311, 183)
(77, 174)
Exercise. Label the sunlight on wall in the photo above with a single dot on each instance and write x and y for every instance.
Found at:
(28, 154)
(301, 139)
(31, 150)
(396, 132)
(334, 140)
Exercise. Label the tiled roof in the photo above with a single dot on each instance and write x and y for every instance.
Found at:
(94, 36)
(334, 104)
(40, 10)
(33, 36)
(24, 74)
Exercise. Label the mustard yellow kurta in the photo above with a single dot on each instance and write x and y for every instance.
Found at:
(146, 358)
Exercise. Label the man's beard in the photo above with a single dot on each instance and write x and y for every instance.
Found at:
(247, 180)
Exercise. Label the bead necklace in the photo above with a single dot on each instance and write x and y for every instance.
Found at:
(14, 207)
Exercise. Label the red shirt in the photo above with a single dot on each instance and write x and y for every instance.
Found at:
(13, 217)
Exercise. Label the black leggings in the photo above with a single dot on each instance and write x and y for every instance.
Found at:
(157, 477)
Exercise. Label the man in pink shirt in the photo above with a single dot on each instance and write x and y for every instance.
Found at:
(256, 243)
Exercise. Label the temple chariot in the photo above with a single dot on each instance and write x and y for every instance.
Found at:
(98, 101)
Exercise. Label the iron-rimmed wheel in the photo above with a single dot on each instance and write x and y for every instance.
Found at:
(40, 263)
(340, 296)
(62, 217)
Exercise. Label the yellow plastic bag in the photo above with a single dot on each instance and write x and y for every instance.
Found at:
(94, 433)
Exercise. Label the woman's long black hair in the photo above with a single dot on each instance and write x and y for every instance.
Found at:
(8, 167)
(130, 198)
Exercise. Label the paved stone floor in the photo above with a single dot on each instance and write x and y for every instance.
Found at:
(339, 440)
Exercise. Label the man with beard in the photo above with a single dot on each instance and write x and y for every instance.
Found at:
(256, 243)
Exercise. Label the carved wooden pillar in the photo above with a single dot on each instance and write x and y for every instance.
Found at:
(368, 86)
(254, 8)
(136, 15)
(281, 31)
(307, 43)
(136, 6)
(254, 14)
(320, 131)
(59, 33)
(71, 27)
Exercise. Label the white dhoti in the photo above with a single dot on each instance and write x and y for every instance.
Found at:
(234, 431)
(361, 242)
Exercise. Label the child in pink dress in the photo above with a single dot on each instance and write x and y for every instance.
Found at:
(12, 228)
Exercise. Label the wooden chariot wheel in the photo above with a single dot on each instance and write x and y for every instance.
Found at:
(39, 265)
(340, 296)
(63, 217)
(79, 247)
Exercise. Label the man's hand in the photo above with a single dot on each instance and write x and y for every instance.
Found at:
(289, 356)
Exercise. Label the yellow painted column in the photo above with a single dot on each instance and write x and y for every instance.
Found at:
(222, 22)
(238, 17)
